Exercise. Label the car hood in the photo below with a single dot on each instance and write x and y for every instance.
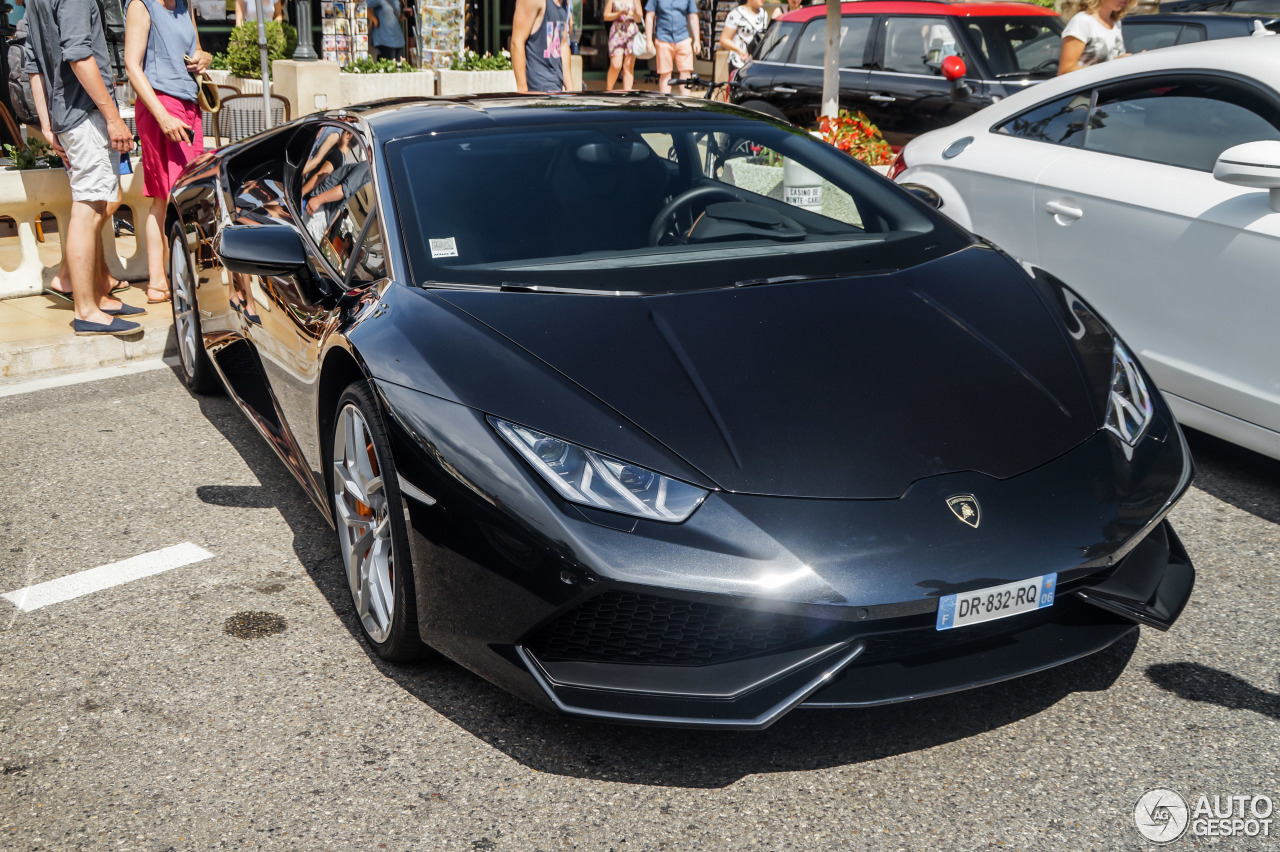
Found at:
(840, 388)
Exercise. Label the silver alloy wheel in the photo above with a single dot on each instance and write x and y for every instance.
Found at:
(180, 285)
(364, 525)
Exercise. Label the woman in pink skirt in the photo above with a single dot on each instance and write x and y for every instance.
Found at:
(623, 14)
(161, 52)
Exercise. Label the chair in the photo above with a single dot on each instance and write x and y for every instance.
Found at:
(241, 117)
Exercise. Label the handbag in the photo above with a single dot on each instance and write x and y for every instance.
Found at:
(640, 45)
(207, 93)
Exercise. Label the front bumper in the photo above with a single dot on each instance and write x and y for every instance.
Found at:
(755, 605)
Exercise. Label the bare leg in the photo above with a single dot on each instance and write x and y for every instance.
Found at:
(158, 283)
(81, 251)
(103, 283)
(664, 83)
(615, 65)
(629, 71)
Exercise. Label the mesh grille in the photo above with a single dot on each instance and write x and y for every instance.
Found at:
(623, 627)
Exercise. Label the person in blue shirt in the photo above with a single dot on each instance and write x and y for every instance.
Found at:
(672, 27)
(385, 36)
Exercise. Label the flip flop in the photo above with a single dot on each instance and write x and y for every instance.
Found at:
(167, 297)
(58, 294)
(122, 287)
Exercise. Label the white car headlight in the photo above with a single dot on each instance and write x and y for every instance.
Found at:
(587, 477)
(1129, 405)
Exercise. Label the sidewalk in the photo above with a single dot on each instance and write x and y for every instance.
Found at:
(36, 340)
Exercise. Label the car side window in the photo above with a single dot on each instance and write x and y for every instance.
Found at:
(917, 45)
(1058, 122)
(1150, 36)
(777, 41)
(1186, 124)
(854, 30)
(335, 193)
(370, 262)
(1192, 33)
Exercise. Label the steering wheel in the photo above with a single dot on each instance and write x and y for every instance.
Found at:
(1047, 65)
(660, 222)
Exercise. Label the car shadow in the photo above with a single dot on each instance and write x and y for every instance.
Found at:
(1245, 479)
(1196, 682)
(540, 740)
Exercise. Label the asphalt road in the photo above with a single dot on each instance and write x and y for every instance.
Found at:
(136, 717)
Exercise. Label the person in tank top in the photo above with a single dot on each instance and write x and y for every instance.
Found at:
(540, 46)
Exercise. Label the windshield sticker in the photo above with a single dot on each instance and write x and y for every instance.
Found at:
(443, 248)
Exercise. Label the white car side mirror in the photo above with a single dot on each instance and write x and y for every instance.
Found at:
(1255, 164)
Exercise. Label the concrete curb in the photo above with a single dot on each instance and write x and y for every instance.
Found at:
(59, 352)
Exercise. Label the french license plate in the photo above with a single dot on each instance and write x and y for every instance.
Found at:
(996, 602)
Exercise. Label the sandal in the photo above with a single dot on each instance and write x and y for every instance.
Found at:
(166, 297)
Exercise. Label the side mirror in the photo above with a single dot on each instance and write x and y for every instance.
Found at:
(261, 249)
(954, 69)
(1255, 164)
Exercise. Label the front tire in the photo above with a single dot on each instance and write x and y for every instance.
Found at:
(197, 370)
(368, 513)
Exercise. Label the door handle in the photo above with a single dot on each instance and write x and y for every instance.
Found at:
(1063, 213)
(784, 90)
(883, 99)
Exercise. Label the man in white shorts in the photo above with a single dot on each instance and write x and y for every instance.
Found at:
(70, 76)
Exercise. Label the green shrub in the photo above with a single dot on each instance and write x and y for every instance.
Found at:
(377, 66)
(472, 61)
(243, 59)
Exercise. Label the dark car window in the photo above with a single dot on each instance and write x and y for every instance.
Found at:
(777, 41)
(1060, 122)
(1185, 124)
(1192, 33)
(1149, 36)
(917, 45)
(1267, 7)
(334, 192)
(853, 42)
(1022, 46)
(697, 202)
(371, 259)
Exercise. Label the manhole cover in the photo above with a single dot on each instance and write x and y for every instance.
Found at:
(253, 625)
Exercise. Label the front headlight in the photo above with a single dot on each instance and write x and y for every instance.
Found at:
(1129, 404)
(587, 477)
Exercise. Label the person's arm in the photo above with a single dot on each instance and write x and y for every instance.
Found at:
(565, 68)
(525, 19)
(327, 197)
(610, 13)
(326, 144)
(693, 29)
(137, 30)
(42, 111)
(1072, 50)
(726, 41)
(649, 28)
(202, 59)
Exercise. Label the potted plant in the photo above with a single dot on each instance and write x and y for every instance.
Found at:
(373, 79)
(470, 73)
(854, 134)
(241, 65)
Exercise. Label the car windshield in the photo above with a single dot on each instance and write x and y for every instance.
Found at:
(650, 206)
(1020, 46)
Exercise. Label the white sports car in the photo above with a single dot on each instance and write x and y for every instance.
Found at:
(1151, 186)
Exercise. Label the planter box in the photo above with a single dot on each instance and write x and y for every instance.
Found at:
(358, 88)
(26, 195)
(243, 85)
(454, 83)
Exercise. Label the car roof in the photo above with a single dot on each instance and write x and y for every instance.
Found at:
(1246, 18)
(398, 117)
(922, 7)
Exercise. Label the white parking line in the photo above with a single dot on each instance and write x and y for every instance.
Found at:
(95, 375)
(105, 576)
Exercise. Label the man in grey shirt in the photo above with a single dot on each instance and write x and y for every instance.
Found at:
(71, 79)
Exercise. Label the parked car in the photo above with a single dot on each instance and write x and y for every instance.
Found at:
(700, 461)
(892, 61)
(1150, 32)
(1252, 7)
(1143, 183)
